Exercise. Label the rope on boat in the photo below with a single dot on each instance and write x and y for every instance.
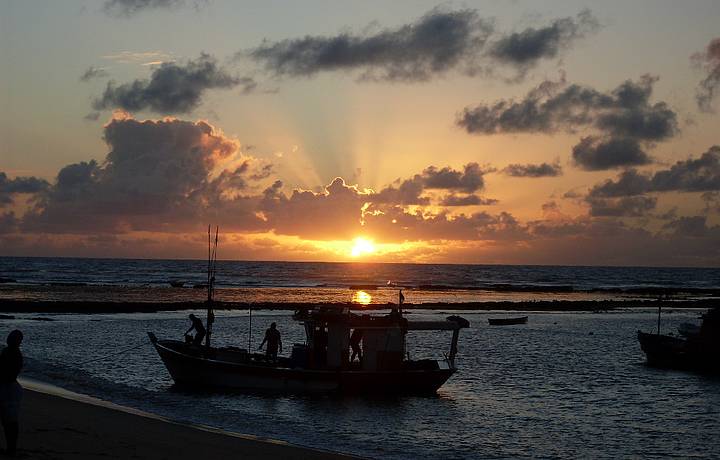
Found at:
(142, 344)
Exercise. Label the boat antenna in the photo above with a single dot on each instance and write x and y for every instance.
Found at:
(659, 310)
(212, 263)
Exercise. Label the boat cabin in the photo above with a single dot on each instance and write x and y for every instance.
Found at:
(382, 339)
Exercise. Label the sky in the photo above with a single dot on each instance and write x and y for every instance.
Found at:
(483, 132)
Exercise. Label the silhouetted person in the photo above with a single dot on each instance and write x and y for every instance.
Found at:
(273, 340)
(320, 343)
(11, 362)
(197, 324)
(355, 339)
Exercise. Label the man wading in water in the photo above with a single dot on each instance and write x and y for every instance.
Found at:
(272, 337)
(11, 362)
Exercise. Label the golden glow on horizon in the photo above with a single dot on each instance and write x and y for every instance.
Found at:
(362, 297)
(361, 247)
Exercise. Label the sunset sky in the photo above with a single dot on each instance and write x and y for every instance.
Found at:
(490, 132)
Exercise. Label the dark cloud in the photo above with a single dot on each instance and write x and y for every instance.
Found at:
(629, 206)
(129, 8)
(691, 175)
(627, 121)
(524, 49)
(594, 154)
(248, 84)
(157, 175)
(554, 106)
(172, 88)
(629, 183)
(531, 170)
(8, 223)
(409, 191)
(436, 43)
(467, 200)
(93, 72)
(709, 61)
(439, 42)
(689, 226)
(10, 187)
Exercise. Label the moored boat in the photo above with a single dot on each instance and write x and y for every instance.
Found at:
(323, 363)
(507, 321)
(698, 351)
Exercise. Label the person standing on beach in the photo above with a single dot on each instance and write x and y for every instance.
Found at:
(199, 329)
(272, 337)
(11, 362)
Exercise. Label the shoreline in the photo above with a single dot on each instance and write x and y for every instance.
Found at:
(9, 306)
(57, 423)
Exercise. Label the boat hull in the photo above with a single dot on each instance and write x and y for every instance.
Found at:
(197, 371)
(669, 352)
(507, 321)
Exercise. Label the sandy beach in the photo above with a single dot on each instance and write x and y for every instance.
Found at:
(54, 427)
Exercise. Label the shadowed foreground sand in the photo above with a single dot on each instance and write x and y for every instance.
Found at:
(53, 427)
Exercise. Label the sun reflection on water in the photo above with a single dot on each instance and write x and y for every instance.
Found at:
(362, 297)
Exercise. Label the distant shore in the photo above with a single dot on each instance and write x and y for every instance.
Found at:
(8, 307)
(53, 427)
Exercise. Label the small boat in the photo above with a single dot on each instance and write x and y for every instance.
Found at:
(695, 351)
(177, 283)
(507, 321)
(322, 363)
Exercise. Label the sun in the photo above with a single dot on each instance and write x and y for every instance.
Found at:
(361, 247)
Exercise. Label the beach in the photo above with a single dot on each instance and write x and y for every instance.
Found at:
(55, 427)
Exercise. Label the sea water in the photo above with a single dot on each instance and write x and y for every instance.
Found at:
(565, 385)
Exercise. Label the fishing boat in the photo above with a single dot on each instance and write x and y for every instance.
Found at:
(507, 321)
(698, 352)
(323, 363)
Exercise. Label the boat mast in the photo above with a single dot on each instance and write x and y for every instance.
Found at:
(212, 261)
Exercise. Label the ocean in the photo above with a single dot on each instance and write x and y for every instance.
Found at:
(149, 280)
(564, 385)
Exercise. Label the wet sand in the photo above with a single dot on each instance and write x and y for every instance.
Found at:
(54, 427)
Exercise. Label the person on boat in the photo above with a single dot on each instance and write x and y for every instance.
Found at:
(197, 324)
(273, 340)
(355, 339)
(11, 362)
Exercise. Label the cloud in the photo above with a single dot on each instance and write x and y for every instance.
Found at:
(157, 174)
(629, 206)
(143, 58)
(129, 8)
(532, 170)
(595, 154)
(409, 191)
(437, 42)
(172, 88)
(709, 61)
(525, 48)
(92, 73)
(556, 106)
(467, 200)
(691, 175)
(625, 118)
(11, 187)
